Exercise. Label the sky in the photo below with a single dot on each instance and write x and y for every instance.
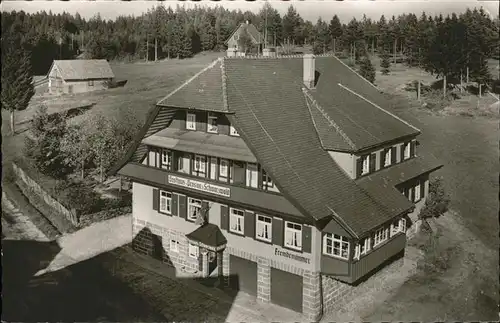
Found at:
(309, 9)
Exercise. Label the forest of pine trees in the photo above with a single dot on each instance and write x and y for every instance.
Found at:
(444, 46)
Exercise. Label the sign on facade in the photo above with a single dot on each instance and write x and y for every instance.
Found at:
(290, 255)
(199, 185)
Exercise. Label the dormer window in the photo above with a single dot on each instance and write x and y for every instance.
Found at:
(166, 159)
(267, 182)
(212, 123)
(407, 150)
(233, 132)
(191, 121)
(388, 157)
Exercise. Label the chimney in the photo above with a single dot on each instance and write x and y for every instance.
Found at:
(309, 71)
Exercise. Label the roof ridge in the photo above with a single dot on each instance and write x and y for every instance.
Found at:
(327, 117)
(378, 107)
(190, 80)
(354, 71)
(224, 85)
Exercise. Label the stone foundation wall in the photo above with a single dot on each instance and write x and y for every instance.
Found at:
(147, 238)
(336, 293)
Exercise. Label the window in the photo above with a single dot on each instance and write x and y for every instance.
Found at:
(252, 175)
(236, 220)
(91, 82)
(417, 192)
(165, 202)
(199, 168)
(267, 182)
(388, 157)
(191, 121)
(174, 245)
(407, 150)
(366, 164)
(263, 228)
(193, 250)
(293, 235)
(194, 209)
(166, 159)
(336, 245)
(223, 169)
(233, 131)
(362, 248)
(212, 123)
(213, 167)
(398, 226)
(380, 236)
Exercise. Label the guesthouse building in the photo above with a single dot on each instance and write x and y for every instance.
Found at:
(286, 173)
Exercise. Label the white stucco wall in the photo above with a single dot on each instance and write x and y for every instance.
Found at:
(345, 161)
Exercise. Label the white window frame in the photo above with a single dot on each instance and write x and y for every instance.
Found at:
(166, 158)
(236, 218)
(210, 127)
(294, 234)
(407, 151)
(193, 251)
(251, 171)
(224, 174)
(193, 204)
(381, 235)
(233, 132)
(174, 245)
(417, 191)
(365, 169)
(362, 248)
(267, 182)
(388, 157)
(336, 252)
(200, 165)
(165, 197)
(398, 226)
(261, 226)
(190, 124)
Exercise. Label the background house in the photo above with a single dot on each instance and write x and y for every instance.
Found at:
(234, 42)
(76, 76)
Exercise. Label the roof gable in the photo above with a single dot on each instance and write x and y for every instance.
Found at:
(81, 69)
(255, 35)
(203, 91)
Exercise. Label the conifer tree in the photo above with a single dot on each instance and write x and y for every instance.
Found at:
(17, 86)
(385, 63)
(367, 70)
(335, 30)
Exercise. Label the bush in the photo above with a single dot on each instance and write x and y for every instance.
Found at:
(83, 199)
(437, 201)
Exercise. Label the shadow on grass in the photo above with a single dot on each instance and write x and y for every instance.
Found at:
(88, 291)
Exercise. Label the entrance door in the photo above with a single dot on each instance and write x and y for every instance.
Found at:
(286, 289)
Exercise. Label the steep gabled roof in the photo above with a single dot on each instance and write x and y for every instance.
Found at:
(83, 69)
(252, 31)
(288, 128)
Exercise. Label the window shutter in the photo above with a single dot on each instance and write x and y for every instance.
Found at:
(402, 152)
(175, 204)
(223, 125)
(156, 199)
(373, 159)
(158, 158)
(278, 232)
(201, 121)
(200, 260)
(204, 206)
(182, 117)
(393, 155)
(412, 148)
(239, 172)
(306, 238)
(250, 224)
(182, 206)
(224, 217)
(422, 189)
(359, 166)
(191, 163)
(412, 194)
